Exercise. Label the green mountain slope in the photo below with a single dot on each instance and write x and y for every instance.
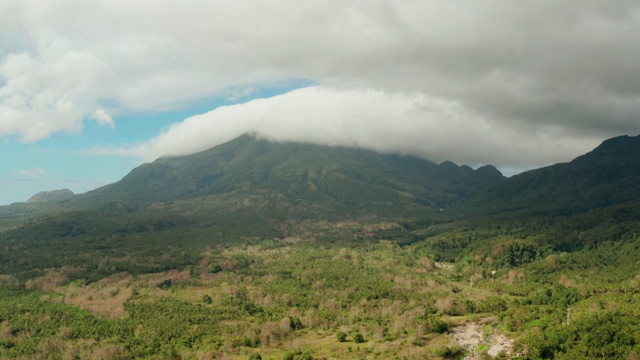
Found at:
(212, 253)
(242, 191)
(607, 176)
(334, 178)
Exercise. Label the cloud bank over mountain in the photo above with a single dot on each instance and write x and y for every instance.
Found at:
(408, 123)
(519, 83)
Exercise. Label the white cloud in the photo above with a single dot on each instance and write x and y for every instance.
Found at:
(40, 97)
(409, 123)
(102, 118)
(562, 71)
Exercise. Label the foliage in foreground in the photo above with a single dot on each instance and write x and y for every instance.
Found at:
(563, 287)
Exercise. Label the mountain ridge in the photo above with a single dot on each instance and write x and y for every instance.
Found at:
(304, 171)
(260, 229)
(604, 176)
(54, 195)
(253, 178)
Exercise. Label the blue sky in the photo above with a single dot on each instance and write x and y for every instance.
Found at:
(62, 162)
(89, 90)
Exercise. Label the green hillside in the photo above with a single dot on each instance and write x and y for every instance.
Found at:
(259, 250)
(606, 176)
(337, 178)
(287, 179)
(240, 191)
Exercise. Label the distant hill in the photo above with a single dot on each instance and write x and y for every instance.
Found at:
(606, 176)
(55, 195)
(328, 178)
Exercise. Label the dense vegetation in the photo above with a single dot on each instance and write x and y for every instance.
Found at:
(283, 295)
(256, 273)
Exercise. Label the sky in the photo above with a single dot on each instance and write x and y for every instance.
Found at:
(91, 89)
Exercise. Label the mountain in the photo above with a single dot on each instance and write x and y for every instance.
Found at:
(245, 232)
(251, 188)
(327, 178)
(242, 191)
(607, 176)
(55, 195)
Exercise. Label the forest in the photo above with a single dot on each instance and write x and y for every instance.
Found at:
(328, 267)
(559, 290)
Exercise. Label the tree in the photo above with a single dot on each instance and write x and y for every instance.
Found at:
(295, 323)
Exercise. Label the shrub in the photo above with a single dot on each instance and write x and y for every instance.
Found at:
(165, 284)
(245, 341)
(341, 336)
(255, 356)
(448, 352)
(433, 324)
(306, 356)
(295, 324)
(358, 338)
(444, 351)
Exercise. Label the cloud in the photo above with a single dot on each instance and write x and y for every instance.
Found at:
(408, 123)
(40, 98)
(562, 71)
(102, 118)
(30, 173)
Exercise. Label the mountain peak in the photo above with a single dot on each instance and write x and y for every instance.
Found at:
(490, 172)
(605, 176)
(325, 176)
(620, 143)
(621, 150)
(617, 140)
(55, 195)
